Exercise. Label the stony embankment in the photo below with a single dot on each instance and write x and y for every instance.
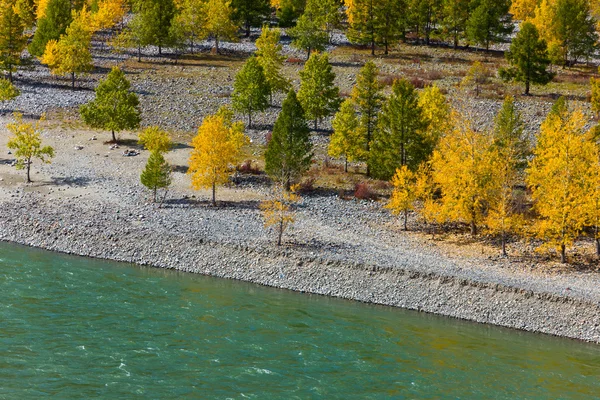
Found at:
(210, 243)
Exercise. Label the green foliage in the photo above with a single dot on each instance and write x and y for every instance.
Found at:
(318, 94)
(27, 144)
(488, 22)
(574, 30)
(51, 26)
(424, 16)
(289, 152)
(366, 94)
(400, 136)
(509, 135)
(12, 36)
(289, 11)
(456, 15)
(308, 34)
(250, 89)
(268, 55)
(348, 140)
(188, 23)
(8, 91)
(528, 57)
(157, 173)
(250, 13)
(115, 108)
(219, 21)
(153, 22)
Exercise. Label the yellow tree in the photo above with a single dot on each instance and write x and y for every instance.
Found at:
(219, 21)
(27, 143)
(348, 139)
(595, 96)
(523, 10)
(216, 148)
(562, 177)
(476, 76)
(462, 168)
(155, 139)
(108, 14)
(71, 53)
(279, 210)
(404, 194)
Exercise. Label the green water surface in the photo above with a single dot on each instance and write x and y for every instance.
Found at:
(75, 328)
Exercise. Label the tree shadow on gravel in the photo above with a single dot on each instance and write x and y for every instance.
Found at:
(188, 202)
(182, 169)
(81, 181)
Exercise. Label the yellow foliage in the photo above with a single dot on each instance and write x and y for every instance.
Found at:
(462, 167)
(155, 139)
(109, 13)
(278, 211)
(276, 4)
(215, 150)
(404, 193)
(476, 76)
(436, 111)
(543, 19)
(41, 6)
(595, 96)
(563, 177)
(523, 10)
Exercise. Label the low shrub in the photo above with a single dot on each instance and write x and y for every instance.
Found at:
(248, 167)
(363, 191)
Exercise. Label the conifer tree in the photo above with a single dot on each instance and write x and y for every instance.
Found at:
(366, 94)
(288, 11)
(424, 16)
(157, 173)
(488, 23)
(278, 211)
(250, 89)
(188, 23)
(348, 140)
(250, 13)
(54, 23)
(26, 11)
(391, 23)
(436, 113)
(309, 34)
(268, 55)
(12, 37)
(289, 152)
(362, 22)
(399, 138)
(155, 139)
(463, 167)
(154, 20)
(477, 75)
(27, 143)
(215, 149)
(8, 91)
(71, 53)
(318, 94)
(528, 57)
(454, 22)
(512, 149)
(115, 108)
(574, 30)
(561, 178)
(404, 194)
(219, 21)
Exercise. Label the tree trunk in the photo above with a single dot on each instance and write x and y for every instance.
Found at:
(308, 54)
(10, 76)
(504, 245)
(114, 138)
(247, 28)
(527, 88)
(72, 80)
(28, 170)
(160, 50)
(280, 232)
(372, 47)
(154, 195)
(405, 220)
(214, 200)
(473, 228)
(386, 51)
(217, 44)
(249, 120)
(139, 53)
(316, 123)
(346, 164)
(598, 246)
(563, 254)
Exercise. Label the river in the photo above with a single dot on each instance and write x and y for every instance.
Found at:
(73, 328)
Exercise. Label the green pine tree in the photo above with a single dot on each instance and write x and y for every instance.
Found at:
(528, 57)
(318, 94)
(308, 34)
(289, 152)
(366, 94)
(456, 15)
(12, 37)
(489, 22)
(51, 26)
(400, 137)
(250, 13)
(153, 25)
(8, 91)
(250, 89)
(115, 108)
(157, 173)
(289, 11)
(574, 29)
(509, 134)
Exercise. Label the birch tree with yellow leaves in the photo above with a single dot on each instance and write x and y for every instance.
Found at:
(215, 151)
(279, 210)
(562, 178)
(404, 194)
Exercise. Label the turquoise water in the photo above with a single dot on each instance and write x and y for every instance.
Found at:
(74, 328)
